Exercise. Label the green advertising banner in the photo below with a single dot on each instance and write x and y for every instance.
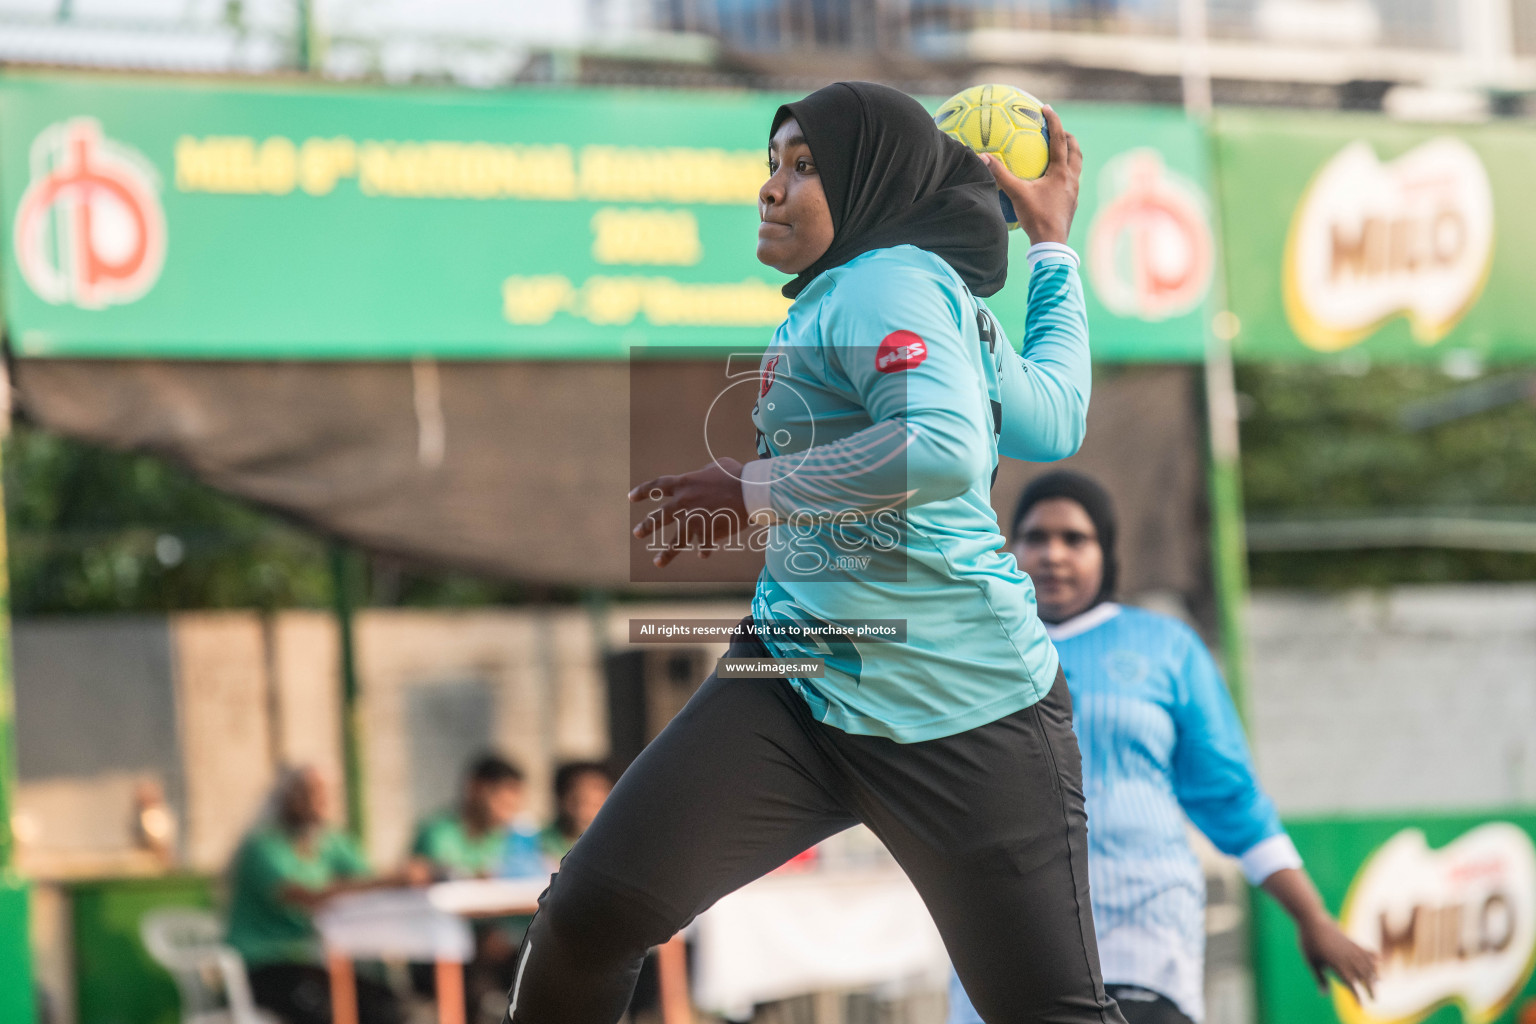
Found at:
(151, 219)
(1355, 234)
(1447, 902)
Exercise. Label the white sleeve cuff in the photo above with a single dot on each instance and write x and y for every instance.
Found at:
(755, 491)
(1267, 856)
(1040, 250)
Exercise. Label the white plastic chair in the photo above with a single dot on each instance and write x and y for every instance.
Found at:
(210, 976)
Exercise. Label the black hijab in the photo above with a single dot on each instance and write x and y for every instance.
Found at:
(1095, 501)
(892, 178)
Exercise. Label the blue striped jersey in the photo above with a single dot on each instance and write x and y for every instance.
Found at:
(885, 399)
(1161, 741)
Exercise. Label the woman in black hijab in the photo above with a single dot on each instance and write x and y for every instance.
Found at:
(892, 178)
(1162, 747)
(1067, 588)
(880, 412)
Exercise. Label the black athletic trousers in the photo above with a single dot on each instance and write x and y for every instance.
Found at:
(988, 824)
(1142, 1006)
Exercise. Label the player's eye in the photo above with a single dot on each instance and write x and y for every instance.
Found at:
(1035, 538)
(804, 166)
(773, 166)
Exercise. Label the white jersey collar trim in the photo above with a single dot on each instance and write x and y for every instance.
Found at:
(1080, 624)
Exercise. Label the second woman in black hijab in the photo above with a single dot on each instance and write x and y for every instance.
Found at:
(884, 401)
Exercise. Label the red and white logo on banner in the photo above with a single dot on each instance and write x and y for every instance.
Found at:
(90, 230)
(900, 350)
(1150, 248)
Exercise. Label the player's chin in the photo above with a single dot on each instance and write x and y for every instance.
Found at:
(773, 252)
(1054, 596)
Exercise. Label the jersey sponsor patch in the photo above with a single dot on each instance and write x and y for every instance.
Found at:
(900, 350)
(768, 376)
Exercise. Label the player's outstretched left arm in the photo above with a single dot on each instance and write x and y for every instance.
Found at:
(1216, 786)
(1323, 943)
(1045, 391)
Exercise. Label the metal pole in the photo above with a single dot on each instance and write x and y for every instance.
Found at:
(1229, 550)
(16, 1002)
(344, 566)
(7, 719)
(1195, 55)
(1224, 471)
(1487, 41)
(304, 30)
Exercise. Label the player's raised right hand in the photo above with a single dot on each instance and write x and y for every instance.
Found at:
(1046, 205)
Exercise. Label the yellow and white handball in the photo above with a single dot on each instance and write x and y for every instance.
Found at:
(1003, 120)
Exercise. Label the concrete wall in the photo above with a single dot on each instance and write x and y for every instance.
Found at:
(223, 703)
(203, 704)
(94, 701)
(1412, 699)
(212, 704)
(403, 651)
(543, 669)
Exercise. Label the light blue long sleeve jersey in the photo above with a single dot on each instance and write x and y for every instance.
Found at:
(1160, 740)
(890, 387)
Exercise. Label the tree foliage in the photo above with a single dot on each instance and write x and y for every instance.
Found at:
(1320, 444)
(97, 530)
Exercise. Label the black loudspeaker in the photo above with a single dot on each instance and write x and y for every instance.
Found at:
(646, 687)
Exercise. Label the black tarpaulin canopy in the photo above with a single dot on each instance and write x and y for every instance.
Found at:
(519, 470)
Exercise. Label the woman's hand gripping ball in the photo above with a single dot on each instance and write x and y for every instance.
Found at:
(1046, 205)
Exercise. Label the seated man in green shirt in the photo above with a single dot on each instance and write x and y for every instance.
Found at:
(581, 787)
(471, 839)
(478, 838)
(283, 870)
